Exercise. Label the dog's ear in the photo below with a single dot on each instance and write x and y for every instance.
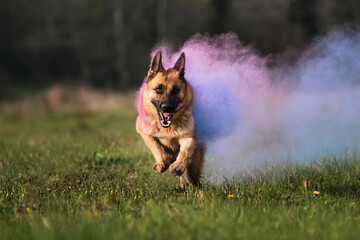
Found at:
(180, 65)
(155, 66)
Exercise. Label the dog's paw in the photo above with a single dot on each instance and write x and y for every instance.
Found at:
(160, 168)
(178, 168)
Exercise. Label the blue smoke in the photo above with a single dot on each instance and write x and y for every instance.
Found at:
(249, 115)
(210, 120)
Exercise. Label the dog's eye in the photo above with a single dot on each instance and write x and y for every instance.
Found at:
(158, 90)
(175, 91)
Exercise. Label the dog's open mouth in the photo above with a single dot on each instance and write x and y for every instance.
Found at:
(165, 119)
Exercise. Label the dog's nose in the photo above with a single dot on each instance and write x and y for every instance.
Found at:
(166, 107)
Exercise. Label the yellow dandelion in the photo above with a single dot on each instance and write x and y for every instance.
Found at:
(78, 181)
(28, 210)
(230, 196)
(316, 193)
(49, 189)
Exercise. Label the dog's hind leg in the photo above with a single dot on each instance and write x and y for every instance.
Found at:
(193, 171)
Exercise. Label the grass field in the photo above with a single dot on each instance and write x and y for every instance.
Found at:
(89, 176)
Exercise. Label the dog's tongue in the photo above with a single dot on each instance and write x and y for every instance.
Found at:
(166, 118)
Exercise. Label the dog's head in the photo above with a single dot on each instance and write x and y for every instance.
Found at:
(165, 90)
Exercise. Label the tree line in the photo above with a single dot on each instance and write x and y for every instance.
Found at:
(106, 43)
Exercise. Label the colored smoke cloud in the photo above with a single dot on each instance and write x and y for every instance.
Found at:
(250, 115)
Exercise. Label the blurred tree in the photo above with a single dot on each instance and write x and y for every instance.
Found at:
(346, 11)
(71, 17)
(47, 8)
(218, 22)
(304, 13)
(120, 42)
(161, 20)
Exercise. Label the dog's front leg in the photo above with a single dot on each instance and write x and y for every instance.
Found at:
(162, 163)
(187, 147)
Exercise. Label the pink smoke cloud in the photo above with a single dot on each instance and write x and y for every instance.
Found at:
(249, 114)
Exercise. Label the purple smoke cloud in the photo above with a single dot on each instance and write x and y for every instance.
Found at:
(249, 114)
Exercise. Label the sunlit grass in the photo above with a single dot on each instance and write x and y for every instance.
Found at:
(89, 176)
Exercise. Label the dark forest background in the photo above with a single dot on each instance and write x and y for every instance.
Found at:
(106, 44)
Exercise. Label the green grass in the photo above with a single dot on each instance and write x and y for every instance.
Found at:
(89, 176)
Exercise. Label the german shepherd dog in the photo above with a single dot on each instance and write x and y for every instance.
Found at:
(166, 123)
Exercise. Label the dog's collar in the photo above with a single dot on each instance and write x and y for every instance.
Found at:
(179, 106)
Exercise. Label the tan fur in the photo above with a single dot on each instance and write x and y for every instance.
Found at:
(174, 147)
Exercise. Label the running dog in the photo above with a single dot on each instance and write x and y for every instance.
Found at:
(166, 123)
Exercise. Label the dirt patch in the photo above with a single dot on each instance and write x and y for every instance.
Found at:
(60, 98)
